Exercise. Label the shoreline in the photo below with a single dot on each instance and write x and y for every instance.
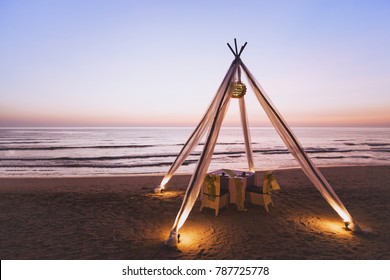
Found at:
(121, 218)
(176, 174)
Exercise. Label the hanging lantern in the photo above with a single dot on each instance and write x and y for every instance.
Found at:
(239, 90)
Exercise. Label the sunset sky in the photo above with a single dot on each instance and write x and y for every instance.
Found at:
(159, 63)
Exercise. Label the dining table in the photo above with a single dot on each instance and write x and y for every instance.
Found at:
(236, 181)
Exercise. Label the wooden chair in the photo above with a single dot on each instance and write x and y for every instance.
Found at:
(260, 194)
(213, 196)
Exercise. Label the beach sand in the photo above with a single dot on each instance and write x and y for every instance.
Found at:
(121, 218)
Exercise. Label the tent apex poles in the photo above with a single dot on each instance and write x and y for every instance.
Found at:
(231, 49)
(237, 53)
(242, 48)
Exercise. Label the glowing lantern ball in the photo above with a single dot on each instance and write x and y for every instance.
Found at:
(239, 90)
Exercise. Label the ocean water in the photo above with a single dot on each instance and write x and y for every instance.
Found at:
(123, 151)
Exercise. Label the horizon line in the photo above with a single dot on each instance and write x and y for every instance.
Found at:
(184, 126)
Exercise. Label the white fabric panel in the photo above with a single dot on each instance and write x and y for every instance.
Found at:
(247, 136)
(197, 178)
(296, 149)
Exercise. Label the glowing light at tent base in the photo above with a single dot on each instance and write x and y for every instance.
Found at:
(342, 214)
(172, 239)
(161, 187)
(184, 238)
(352, 226)
(335, 227)
(328, 227)
(190, 237)
(165, 181)
(348, 222)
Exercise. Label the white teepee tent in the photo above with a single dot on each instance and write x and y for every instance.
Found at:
(231, 87)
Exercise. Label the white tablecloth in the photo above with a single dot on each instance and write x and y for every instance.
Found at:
(230, 182)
